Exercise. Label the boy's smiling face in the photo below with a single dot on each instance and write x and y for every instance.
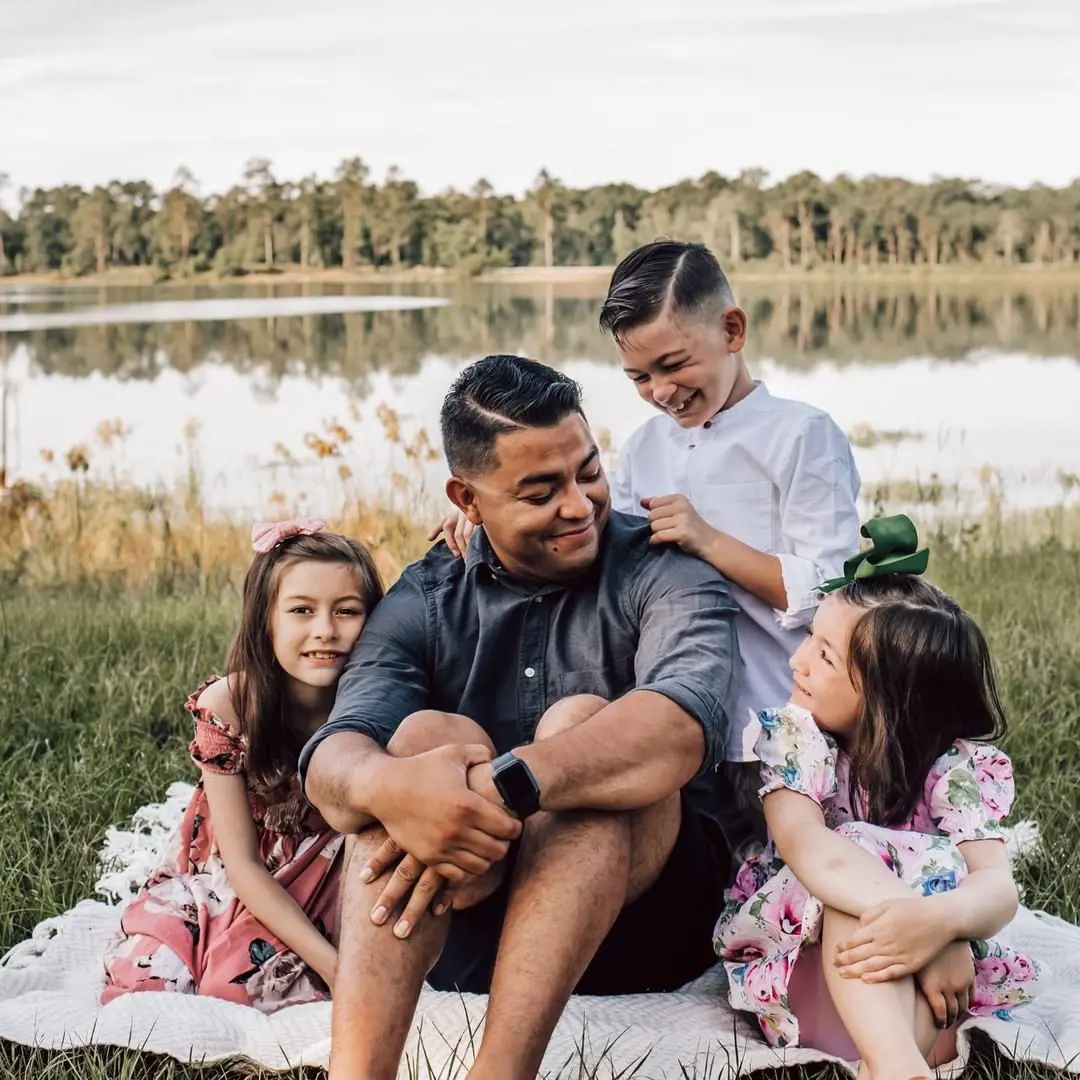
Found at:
(689, 366)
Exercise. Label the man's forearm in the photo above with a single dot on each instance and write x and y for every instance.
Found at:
(635, 752)
(341, 780)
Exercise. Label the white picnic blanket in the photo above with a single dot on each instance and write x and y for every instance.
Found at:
(49, 987)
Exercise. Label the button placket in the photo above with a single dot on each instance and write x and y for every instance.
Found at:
(531, 688)
(682, 467)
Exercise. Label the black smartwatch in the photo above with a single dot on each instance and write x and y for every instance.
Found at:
(516, 785)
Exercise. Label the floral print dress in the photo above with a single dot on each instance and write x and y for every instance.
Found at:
(769, 916)
(187, 932)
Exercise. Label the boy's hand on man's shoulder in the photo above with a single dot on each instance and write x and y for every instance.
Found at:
(455, 529)
(674, 520)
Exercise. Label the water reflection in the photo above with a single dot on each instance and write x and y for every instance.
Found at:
(936, 385)
(796, 325)
(218, 309)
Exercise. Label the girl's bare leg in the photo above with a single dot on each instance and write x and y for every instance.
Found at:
(820, 1025)
(889, 1027)
(938, 1045)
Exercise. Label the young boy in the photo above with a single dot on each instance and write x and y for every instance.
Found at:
(762, 487)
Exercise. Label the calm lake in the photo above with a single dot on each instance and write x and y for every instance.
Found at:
(271, 395)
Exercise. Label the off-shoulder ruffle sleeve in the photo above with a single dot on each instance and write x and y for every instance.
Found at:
(216, 748)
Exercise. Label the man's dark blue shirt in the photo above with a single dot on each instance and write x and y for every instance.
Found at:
(464, 636)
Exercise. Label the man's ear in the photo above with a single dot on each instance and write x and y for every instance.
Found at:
(736, 325)
(462, 494)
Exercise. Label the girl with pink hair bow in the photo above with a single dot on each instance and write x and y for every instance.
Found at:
(244, 906)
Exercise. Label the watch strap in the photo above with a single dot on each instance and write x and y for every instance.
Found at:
(516, 784)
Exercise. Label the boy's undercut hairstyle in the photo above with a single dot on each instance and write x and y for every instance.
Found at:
(686, 277)
(496, 395)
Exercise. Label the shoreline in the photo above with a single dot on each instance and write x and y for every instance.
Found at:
(145, 277)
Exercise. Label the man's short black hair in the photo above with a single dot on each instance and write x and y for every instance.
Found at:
(496, 395)
(687, 276)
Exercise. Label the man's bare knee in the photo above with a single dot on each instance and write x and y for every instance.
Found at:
(568, 713)
(429, 728)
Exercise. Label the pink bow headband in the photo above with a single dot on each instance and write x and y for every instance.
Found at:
(267, 536)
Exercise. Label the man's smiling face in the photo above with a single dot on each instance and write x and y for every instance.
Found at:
(546, 501)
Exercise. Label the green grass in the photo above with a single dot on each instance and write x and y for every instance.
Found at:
(113, 1063)
(92, 727)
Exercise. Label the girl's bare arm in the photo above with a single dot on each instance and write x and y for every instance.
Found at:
(259, 892)
(831, 867)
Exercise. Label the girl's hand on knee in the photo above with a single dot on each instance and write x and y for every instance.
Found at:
(895, 938)
(946, 983)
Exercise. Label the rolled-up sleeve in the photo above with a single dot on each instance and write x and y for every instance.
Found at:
(386, 676)
(819, 516)
(688, 648)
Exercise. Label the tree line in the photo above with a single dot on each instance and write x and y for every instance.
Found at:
(355, 222)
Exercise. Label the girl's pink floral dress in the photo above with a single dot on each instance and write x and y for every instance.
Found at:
(769, 916)
(187, 932)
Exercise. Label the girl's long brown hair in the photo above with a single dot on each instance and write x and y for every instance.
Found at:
(923, 669)
(274, 737)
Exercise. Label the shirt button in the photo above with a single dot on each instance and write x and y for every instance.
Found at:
(538, 600)
(530, 672)
(692, 445)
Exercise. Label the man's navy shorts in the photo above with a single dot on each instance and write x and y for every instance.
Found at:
(660, 941)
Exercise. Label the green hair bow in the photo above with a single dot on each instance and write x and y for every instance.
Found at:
(894, 549)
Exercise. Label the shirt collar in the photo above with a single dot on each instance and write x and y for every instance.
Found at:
(481, 553)
(757, 394)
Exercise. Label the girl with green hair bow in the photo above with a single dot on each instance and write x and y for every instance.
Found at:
(866, 928)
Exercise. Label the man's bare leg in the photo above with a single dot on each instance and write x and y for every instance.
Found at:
(574, 874)
(379, 976)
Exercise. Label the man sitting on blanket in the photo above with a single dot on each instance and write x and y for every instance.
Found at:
(523, 747)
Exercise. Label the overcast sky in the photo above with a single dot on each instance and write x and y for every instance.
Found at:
(595, 90)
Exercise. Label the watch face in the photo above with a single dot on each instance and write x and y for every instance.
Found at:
(517, 787)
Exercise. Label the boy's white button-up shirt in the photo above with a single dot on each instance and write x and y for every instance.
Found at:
(778, 475)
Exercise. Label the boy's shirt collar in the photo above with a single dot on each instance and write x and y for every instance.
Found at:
(757, 394)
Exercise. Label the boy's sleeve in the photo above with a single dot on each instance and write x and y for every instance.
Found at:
(819, 516)
(687, 645)
(622, 494)
(386, 676)
(621, 480)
